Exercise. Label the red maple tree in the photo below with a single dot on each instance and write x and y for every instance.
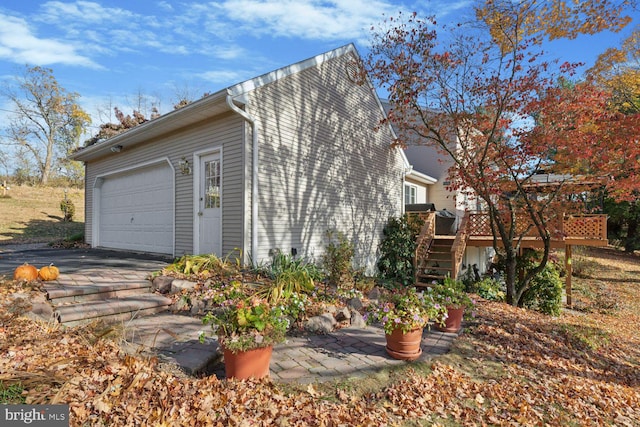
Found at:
(502, 114)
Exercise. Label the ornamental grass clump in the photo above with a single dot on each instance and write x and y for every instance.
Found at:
(245, 323)
(407, 309)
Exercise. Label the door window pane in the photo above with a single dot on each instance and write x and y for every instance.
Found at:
(212, 184)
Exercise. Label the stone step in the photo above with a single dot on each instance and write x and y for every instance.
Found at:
(64, 294)
(112, 310)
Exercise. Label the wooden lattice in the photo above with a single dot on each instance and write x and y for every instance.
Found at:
(572, 227)
(479, 225)
(586, 226)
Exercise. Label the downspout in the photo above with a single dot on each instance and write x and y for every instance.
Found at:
(254, 176)
(407, 171)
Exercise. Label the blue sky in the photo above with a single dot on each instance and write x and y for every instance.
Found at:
(111, 52)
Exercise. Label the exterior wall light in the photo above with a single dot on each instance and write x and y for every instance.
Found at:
(184, 166)
(116, 148)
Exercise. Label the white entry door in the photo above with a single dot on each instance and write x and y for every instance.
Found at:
(209, 205)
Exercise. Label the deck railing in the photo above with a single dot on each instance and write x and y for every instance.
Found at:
(586, 226)
(425, 237)
(459, 245)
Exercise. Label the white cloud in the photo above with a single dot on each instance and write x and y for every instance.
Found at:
(222, 77)
(18, 44)
(227, 52)
(307, 19)
(82, 11)
(165, 5)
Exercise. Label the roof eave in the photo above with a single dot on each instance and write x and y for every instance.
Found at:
(421, 177)
(192, 113)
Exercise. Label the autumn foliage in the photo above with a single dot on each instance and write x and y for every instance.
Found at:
(510, 367)
(490, 104)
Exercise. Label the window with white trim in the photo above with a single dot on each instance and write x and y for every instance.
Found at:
(410, 194)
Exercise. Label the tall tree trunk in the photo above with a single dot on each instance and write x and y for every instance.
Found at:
(632, 242)
(511, 279)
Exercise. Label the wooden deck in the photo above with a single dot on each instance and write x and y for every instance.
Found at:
(437, 256)
(440, 255)
(574, 230)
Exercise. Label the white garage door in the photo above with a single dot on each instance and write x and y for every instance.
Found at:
(136, 210)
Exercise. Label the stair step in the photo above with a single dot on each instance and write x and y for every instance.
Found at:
(428, 277)
(440, 255)
(61, 294)
(112, 310)
(428, 267)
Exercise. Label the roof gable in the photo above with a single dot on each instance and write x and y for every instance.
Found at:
(211, 105)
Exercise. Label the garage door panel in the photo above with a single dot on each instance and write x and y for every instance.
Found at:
(136, 210)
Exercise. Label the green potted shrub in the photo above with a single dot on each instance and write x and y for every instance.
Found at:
(247, 328)
(450, 294)
(404, 313)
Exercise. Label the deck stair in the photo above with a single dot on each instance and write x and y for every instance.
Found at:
(437, 262)
(103, 299)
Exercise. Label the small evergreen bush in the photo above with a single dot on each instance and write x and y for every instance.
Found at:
(397, 249)
(68, 209)
(545, 292)
(338, 258)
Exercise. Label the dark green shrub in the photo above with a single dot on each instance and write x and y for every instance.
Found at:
(338, 258)
(545, 292)
(490, 289)
(397, 249)
(68, 209)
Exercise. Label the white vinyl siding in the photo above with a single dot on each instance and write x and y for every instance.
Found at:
(224, 131)
(322, 164)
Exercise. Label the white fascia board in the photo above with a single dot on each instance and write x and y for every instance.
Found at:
(283, 72)
(421, 177)
(194, 112)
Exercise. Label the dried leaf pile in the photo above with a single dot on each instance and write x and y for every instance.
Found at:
(511, 367)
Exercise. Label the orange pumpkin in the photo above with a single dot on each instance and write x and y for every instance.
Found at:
(25, 272)
(50, 272)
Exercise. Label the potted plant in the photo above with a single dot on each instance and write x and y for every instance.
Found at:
(451, 295)
(404, 313)
(247, 328)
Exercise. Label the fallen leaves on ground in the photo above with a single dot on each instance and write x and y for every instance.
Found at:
(578, 369)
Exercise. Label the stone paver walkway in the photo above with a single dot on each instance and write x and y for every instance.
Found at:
(345, 353)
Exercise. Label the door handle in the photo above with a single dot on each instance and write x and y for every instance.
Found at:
(200, 213)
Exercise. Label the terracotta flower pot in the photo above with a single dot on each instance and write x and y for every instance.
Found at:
(247, 364)
(454, 320)
(404, 346)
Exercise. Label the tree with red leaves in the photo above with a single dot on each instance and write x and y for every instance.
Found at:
(487, 100)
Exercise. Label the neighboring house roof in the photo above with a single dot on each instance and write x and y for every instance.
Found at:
(211, 106)
(416, 170)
